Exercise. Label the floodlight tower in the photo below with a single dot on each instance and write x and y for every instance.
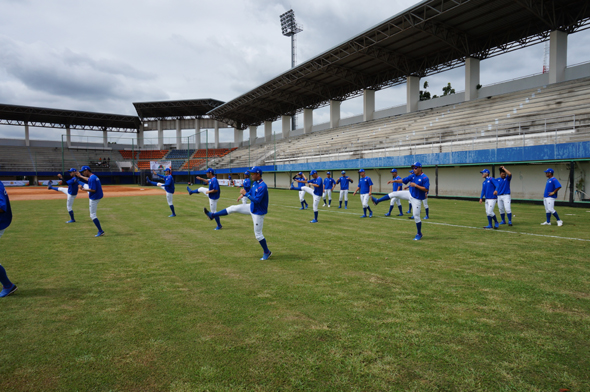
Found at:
(290, 28)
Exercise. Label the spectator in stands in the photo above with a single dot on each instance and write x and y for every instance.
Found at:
(5, 219)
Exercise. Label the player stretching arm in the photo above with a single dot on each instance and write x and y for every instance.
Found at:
(366, 188)
(329, 185)
(395, 196)
(316, 190)
(213, 193)
(344, 182)
(71, 191)
(168, 186)
(300, 180)
(419, 185)
(94, 189)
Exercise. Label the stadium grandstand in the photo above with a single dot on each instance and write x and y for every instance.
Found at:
(522, 122)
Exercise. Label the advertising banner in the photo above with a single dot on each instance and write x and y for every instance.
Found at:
(160, 165)
(16, 183)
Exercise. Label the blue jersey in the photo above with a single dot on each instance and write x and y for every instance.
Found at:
(397, 185)
(94, 184)
(552, 184)
(503, 185)
(72, 186)
(6, 213)
(329, 183)
(214, 185)
(259, 196)
(320, 189)
(299, 185)
(247, 184)
(365, 185)
(344, 181)
(488, 187)
(421, 180)
(169, 183)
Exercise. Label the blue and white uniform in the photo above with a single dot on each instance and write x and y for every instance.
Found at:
(316, 192)
(299, 186)
(417, 196)
(488, 188)
(95, 197)
(329, 184)
(5, 220)
(168, 186)
(552, 185)
(213, 197)
(504, 199)
(71, 192)
(398, 193)
(247, 184)
(364, 186)
(344, 182)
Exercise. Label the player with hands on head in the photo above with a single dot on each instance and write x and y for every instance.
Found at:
(5, 220)
(300, 181)
(168, 186)
(329, 185)
(212, 193)
(316, 189)
(551, 188)
(366, 190)
(71, 191)
(504, 199)
(258, 208)
(490, 194)
(344, 181)
(95, 194)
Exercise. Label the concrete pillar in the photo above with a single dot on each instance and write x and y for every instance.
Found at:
(307, 120)
(68, 136)
(216, 134)
(471, 78)
(335, 114)
(286, 128)
(160, 135)
(368, 105)
(27, 141)
(557, 56)
(197, 134)
(413, 87)
(105, 138)
(253, 130)
(140, 137)
(178, 135)
(268, 131)
(238, 137)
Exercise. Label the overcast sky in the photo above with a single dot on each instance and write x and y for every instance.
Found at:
(104, 55)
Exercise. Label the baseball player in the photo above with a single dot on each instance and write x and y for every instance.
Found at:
(488, 191)
(94, 189)
(344, 182)
(231, 183)
(5, 220)
(213, 193)
(424, 202)
(316, 190)
(168, 186)
(247, 184)
(504, 200)
(551, 189)
(258, 208)
(397, 194)
(299, 181)
(366, 189)
(329, 185)
(71, 191)
(419, 185)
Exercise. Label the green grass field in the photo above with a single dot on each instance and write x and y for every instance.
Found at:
(169, 304)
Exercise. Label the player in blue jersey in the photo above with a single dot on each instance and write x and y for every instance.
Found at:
(258, 208)
(316, 189)
(365, 187)
(504, 199)
(247, 184)
(5, 220)
(94, 189)
(329, 185)
(231, 183)
(397, 194)
(551, 188)
(71, 191)
(424, 203)
(344, 182)
(419, 185)
(489, 193)
(168, 186)
(299, 181)
(212, 193)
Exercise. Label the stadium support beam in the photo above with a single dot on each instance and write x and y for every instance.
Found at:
(27, 141)
(557, 56)
(105, 138)
(307, 120)
(335, 113)
(413, 87)
(68, 136)
(140, 136)
(253, 130)
(268, 131)
(238, 137)
(178, 135)
(286, 126)
(160, 136)
(471, 78)
(216, 134)
(368, 105)
(197, 134)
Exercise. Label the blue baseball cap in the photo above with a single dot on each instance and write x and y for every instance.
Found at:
(361, 170)
(329, 173)
(342, 172)
(549, 171)
(416, 164)
(72, 170)
(394, 170)
(84, 168)
(210, 171)
(256, 170)
(246, 173)
(167, 169)
(300, 173)
(412, 171)
(485, 171)
(313, 172)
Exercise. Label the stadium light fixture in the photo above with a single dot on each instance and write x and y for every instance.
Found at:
(290, 28)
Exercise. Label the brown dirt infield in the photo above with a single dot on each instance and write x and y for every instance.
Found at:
(42, 193)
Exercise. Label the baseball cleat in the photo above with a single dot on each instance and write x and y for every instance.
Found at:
(411, 217)
(400, 214)
(509, 223)
(409, 212)
(265, 256)
(313, 221)
(189, 190)
(426, 217)
(374, 200)
(488, 227)
(496, 225)
(559, 223)
(218, 228)
(71, 221)
(363, 216)
(388, 214)
(371, 215)
(99, 234)
(418, 237)
(302, 208)
(546, 224)
(340, 207)
(171, 216)
(329, 206)
(207, 213)
(324, 205)
(7, 291)
(503, 222)
(346, 208)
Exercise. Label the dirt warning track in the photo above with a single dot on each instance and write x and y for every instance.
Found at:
(42, 193)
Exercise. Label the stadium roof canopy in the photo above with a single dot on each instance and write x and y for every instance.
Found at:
(58, 118)
(428, 38)
(192, 108)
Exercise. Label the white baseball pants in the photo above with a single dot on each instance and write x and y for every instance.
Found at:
(504, 204)
(394, 201)
(302, 195)
(328, 193)
(71, 198)
(416, 207)
(344, 195)
(490, 204)
(239, 208)
(93, 204)
(425, 202)
(168, 194)
(549, 205)
(258, 221)
(316, 198)
(402, 195)
(365, 200)
(245, 200)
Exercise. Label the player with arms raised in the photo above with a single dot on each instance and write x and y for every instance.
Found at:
(94, 189)
(419, 185)
(71, 191)
(299, 182)
(168, 186)
(213, 193)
